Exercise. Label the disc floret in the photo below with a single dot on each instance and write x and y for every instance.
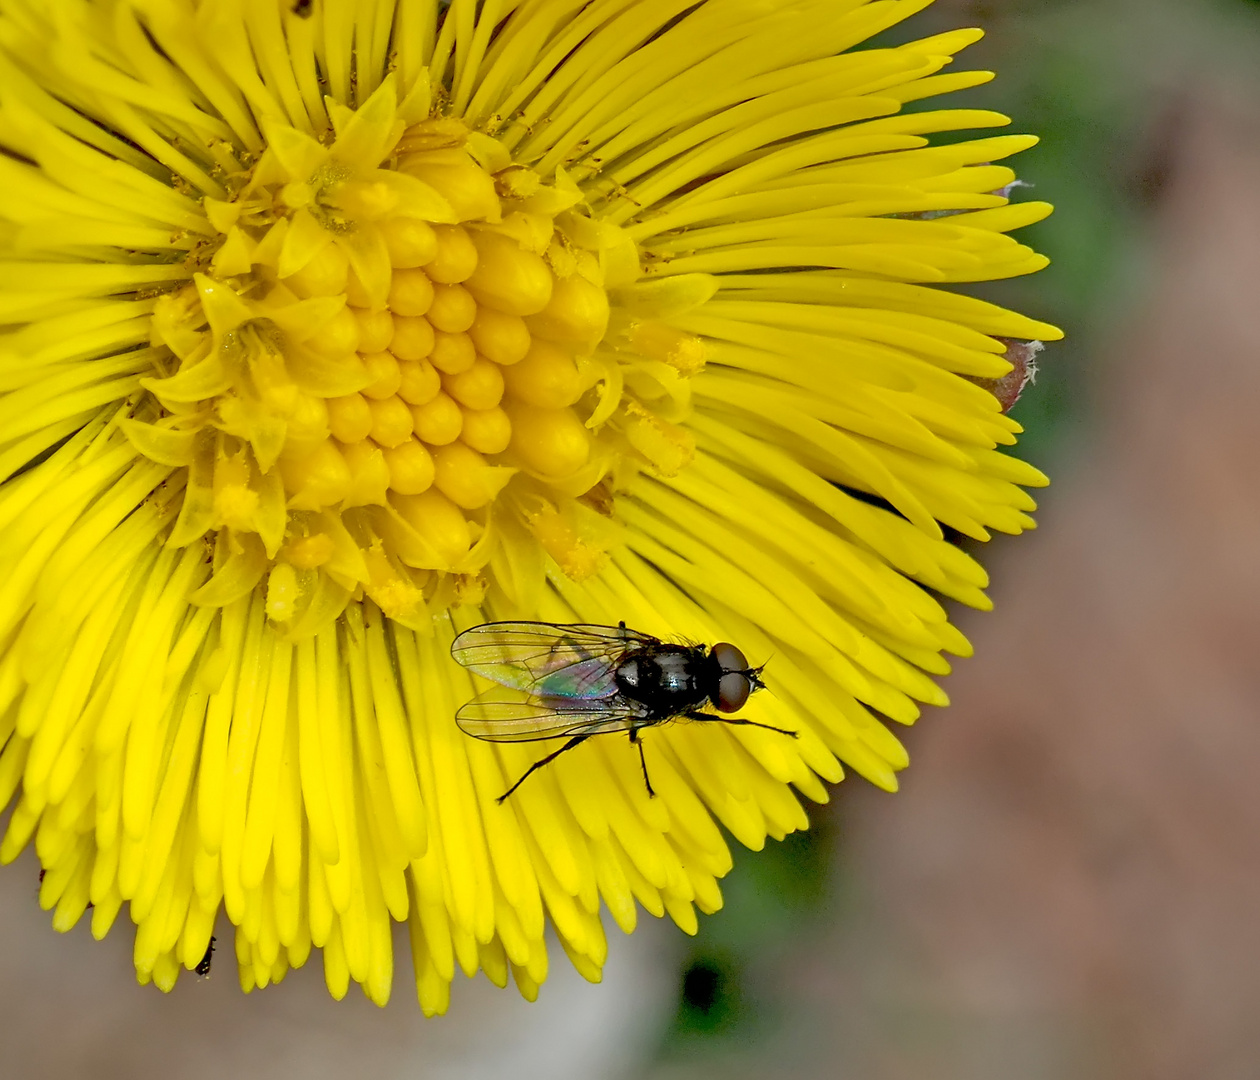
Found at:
(396, 362)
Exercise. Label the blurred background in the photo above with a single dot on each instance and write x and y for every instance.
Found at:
(1068, 884)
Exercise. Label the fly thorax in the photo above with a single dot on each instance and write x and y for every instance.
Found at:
(676, 674)
(666, 681)
(630, 675)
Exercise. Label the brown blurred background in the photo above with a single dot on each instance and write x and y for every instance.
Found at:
(1068, 885)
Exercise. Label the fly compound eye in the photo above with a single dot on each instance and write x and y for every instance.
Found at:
(729, 658)
(733, 685)
(733, 691)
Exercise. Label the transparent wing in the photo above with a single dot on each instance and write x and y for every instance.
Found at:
(494, 718)
(571, 660)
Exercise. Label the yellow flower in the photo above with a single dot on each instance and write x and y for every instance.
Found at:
(335, 328)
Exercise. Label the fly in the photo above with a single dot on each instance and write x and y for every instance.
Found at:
(577, 680)
(203, 965)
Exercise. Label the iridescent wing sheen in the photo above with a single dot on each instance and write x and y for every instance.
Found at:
(494, 718)
(552, 660)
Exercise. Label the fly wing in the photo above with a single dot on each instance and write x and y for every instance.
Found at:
(496, 718)
(570, 660)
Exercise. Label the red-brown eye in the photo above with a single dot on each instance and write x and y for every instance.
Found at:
(733, 691)
(733, 686)
(729, 658)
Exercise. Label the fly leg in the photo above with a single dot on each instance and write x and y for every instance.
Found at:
(739, 720)
(539, 764)
(634, 738)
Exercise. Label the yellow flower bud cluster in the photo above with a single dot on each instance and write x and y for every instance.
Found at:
(374, 357)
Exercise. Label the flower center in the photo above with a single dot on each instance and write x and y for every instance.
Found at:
(395, 368)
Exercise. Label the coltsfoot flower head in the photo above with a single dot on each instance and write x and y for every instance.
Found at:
(330, 333)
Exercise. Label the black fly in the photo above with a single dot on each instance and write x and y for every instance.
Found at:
(302, 8)
(203, 965)
(578, 680)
